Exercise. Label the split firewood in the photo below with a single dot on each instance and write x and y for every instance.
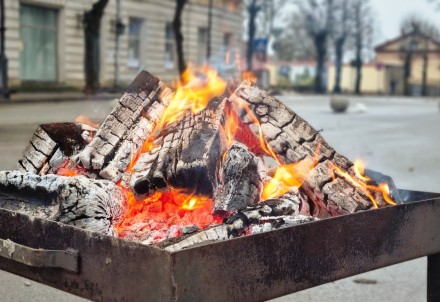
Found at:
(185, 155)
(293, 139)
(240, 181)
(52, 145)
(124, 130)
(95, 205)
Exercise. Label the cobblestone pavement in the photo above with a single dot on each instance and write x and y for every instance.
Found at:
(396, 136)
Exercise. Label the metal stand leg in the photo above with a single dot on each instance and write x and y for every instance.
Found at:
(434, 278)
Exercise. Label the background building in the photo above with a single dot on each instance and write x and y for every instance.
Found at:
(45, 38)
(386, 74)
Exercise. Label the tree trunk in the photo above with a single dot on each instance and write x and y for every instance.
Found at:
(178, 36)
(253, 11)
(92, 25)
(358, 65)
(321, 53)
(208, 43)
(407, 73)
(425, 75)
(339, 52)
(425, 70)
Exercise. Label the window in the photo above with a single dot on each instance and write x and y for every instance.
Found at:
(202, 41)
(134, 42)
(38, 35)
(227, 40)
(169, 46)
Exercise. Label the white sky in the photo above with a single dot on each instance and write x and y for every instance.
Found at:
(390, 14)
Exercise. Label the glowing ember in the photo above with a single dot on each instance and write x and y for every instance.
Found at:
(164, 210)
(65, 171)
(84, 120)
(264, 144)
(362, 183)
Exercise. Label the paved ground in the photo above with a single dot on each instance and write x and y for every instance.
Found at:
(399, 137)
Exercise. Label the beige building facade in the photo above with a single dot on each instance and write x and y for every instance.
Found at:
(385, 75)
(45, 38)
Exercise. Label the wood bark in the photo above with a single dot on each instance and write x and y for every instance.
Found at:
(52, 145)
(127, 126)
(186, 155)
(240, 181)
(293, 139)
(94, 205)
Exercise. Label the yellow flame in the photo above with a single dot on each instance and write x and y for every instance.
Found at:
(193, 202)
(361, 183)
(288, 176)
(197, 87)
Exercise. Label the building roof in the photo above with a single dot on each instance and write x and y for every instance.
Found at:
(383, 47)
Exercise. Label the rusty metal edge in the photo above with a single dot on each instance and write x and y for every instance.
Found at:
(110, 269)
(113, 269)
(265, 266)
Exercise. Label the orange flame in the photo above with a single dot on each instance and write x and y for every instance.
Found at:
(288, 176)
(264, 144)
(231, 125)
(197, 88)
(249, 76)
(362, 183)
(84, 120)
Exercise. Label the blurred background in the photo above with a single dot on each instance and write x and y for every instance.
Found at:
(323, 46)
(365, 72)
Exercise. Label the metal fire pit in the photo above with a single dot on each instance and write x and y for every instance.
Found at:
(252, 268)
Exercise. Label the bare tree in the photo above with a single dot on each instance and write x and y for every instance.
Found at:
(318, 22)
(178, 36)
(92, 25)
(362, 34)
(253, 7)
(341, 33)
(293, 42)
(418, 34)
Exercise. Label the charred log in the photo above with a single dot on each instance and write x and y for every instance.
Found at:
(185, 155)
(124, 130)
(293, 139)
(240, 180)
(85, 203)
(53, 144)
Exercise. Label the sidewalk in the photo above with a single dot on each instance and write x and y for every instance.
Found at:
(30, 97)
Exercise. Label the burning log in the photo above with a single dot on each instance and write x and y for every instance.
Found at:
(52, 145)
(176, 166)
(240, 180)
(94, 205)
(333, 183)
(186, 155)
(123, 131)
